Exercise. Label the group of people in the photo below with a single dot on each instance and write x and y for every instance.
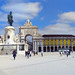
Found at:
(29, 53)
(65, 52)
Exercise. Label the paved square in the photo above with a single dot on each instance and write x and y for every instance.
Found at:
(49, 64)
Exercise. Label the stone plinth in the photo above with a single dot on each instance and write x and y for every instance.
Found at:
(9, 34)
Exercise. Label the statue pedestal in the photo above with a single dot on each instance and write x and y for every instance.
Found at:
(9, 34)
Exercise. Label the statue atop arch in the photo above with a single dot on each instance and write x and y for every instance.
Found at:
(28, 23)
(10, 18)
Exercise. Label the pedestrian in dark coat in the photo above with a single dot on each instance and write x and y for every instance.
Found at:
(28, 54)
(25, 53)
(14, 54)
(67, 53)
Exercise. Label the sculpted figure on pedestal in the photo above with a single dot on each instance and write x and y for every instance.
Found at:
(10, 20)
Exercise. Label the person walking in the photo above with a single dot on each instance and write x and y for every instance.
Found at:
(14, 54)
(41, 52)
(28, 54)
(60, 53)
(25, 53)
(67, 53)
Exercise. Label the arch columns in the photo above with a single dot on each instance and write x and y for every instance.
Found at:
(53, 48)
(35, 46)
(72, 48)
(61, 46)
(57, 47)
(46, 48)
(50, 48)
(68, 46)
(41, 46)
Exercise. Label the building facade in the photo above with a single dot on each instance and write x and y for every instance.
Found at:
(47, 43)
(54, 42)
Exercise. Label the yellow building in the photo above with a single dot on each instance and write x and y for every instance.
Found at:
(54, 42)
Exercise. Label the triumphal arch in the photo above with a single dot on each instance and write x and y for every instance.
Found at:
(29, 29)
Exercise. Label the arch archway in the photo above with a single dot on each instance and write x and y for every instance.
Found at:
(51, 48)
(29, 41)
(44, 48)
(39, 49)
(48, 49)
(29, 30)
(56, 48)
(27, 36)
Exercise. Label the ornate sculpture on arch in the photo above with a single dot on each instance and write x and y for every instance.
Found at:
(10, 18)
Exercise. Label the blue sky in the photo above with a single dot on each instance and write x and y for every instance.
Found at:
(51, 16)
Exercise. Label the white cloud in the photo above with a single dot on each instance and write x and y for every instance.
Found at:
(20, 17)
(22, 11)
(67, 17)
(62, 26)
(23, 7)
(58, 29)
(14, 1)
(2, 32)
(3, 17)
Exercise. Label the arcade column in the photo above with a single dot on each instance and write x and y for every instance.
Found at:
(72, 48)
(35, 45)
